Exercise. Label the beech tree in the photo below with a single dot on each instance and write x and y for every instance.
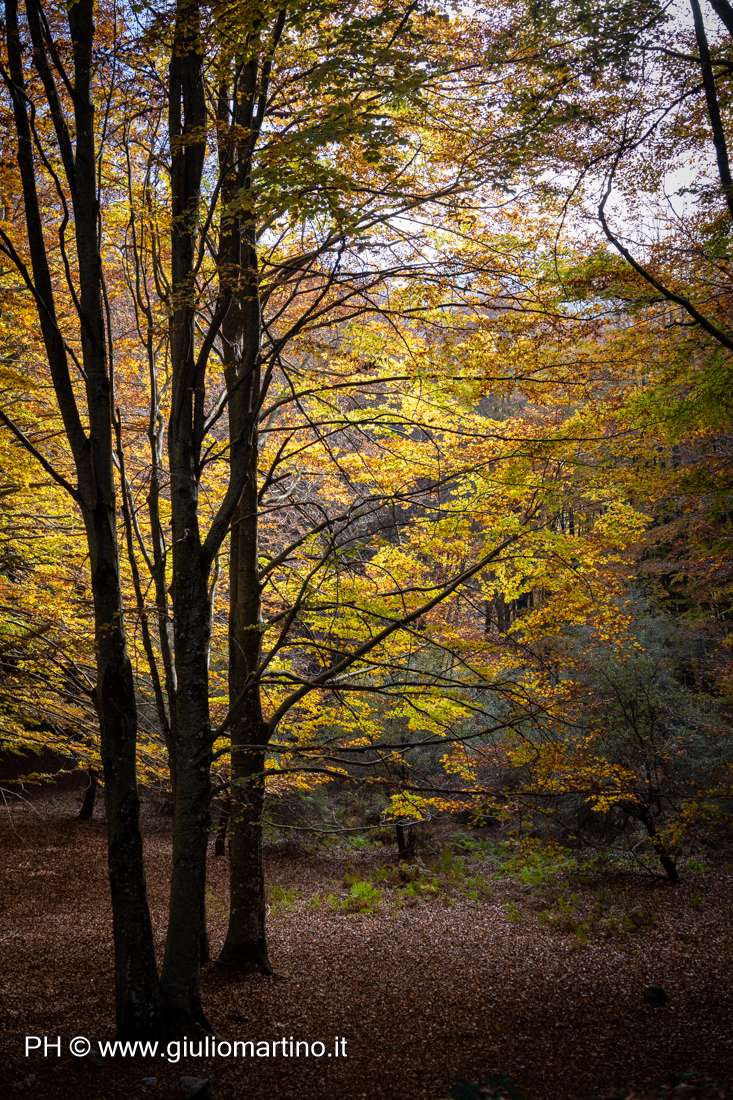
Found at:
(630, 107)
(82, 134)
(65, 97)
(293, 216)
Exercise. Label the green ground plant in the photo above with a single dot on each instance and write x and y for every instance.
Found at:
(363, 897)
(214, 904)
(569, 916)
(280, 898)
(478, 849)
(534, 862)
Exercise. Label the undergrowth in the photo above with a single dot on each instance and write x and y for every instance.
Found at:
(548, 880)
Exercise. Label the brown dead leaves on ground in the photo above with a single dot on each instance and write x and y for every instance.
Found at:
(424, 993)
(688, 1086)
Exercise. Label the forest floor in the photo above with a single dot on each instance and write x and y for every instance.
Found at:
(452, 976)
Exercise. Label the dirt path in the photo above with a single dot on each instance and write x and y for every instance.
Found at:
(422, 995)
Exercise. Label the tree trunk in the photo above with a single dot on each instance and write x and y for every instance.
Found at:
(190, 725)
(190, 732)
(245, 946)
(180, 978)
(405, 846)
(86, 813)
(137, 993)
(643, 813)
(221, 828)
(502, 612)
(668, 864)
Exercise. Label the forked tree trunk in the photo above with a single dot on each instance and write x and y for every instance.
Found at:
(668, 864)
(643, 813)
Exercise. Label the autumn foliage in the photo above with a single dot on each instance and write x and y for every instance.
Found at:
(366, 424)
